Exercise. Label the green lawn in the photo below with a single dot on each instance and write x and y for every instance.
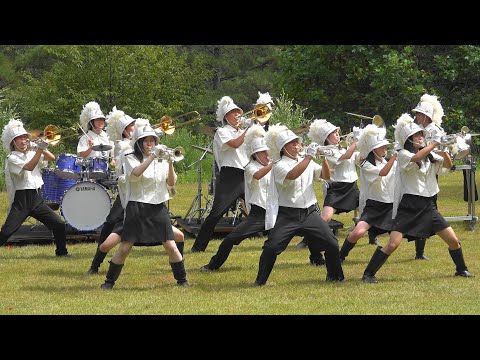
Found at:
(34, 281)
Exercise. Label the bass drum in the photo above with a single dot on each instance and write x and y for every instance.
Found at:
(86, 205)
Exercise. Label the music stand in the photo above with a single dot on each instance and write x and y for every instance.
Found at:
(196, 206)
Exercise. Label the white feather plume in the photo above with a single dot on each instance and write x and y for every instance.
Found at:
(314, 133)
(85, 114)
(363, 144)
(221, 104)
(437, 107)
(264, 98)
(112, 120)
(7, 133)
(255, 131)
(271, 139)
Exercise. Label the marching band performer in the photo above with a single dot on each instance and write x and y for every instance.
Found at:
(428, 114)
(92, 121)
(231, 158)
(257, 184)
(147, 222)
(295, 206)
(341, 193)
(120, 129)
(414, 211)
(24, 180)
(377, 185)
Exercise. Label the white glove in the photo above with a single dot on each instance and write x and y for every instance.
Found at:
(42, 144)
(171, 157)
(311, 151)
(357, 132)
(159, 150)
(159, 132)
(437, 138)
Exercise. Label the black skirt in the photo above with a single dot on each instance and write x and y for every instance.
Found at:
(378, 215)
(147, 224)
(342, 196)
(418, 217)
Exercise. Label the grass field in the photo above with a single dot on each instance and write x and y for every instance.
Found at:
(34, 281)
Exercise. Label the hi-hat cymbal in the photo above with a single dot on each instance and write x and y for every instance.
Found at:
(208, 130)
(101, 147)
(202, 149)
(302, 129)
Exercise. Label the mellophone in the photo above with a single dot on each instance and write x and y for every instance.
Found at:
(79, 186)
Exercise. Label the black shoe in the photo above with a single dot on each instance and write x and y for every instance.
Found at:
(91, 271)
(193, 250)
(335, 278)
(464, 273)
(374, 241)
(106, 286)
(183, 284)
(421, 257)
(257, 284)
(65, 254)
(369, 279)
(206, 268)
(320, 262)
(302, 244)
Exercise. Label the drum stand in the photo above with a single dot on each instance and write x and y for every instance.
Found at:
(469, 168)
(196, 207)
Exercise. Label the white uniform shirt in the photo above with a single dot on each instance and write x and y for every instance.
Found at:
(151, 186)
(298, 193)
(257, 190)
(419, 181)
(226, 155)
(378, 188)
(343, 170)
(97, 140)
(24, 179)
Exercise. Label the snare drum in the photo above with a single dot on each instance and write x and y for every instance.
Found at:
(67, 167)
(97, 168)
(86, 205)
(54, 187)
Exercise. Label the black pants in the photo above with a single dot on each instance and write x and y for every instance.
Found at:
(115, 216)
(230, 187)
(30, 203)
(251, 225)
(304, 222)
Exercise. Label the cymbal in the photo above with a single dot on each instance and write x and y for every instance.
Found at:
(202, 149)
(208, 130)
(101, 147)
(302, 129)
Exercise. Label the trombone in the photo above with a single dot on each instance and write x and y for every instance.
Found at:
(51, 134)
(357, 131)
(260, 113)
(168, 124)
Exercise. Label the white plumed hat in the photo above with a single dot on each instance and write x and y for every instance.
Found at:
(404, 128)
(117, 121)
(264, 98)
(430, 106)
(11, 130)
(224, 106)
(90, 111)
(142, 129)
(319, 130)
(370, 138)
(277, 136)
(255, 140)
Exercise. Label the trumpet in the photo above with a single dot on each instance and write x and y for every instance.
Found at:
(320, 150)
(261, 113)
(177, 154)
(51, 134)
(168, 124)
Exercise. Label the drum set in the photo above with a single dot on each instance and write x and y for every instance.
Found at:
(78, 187)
